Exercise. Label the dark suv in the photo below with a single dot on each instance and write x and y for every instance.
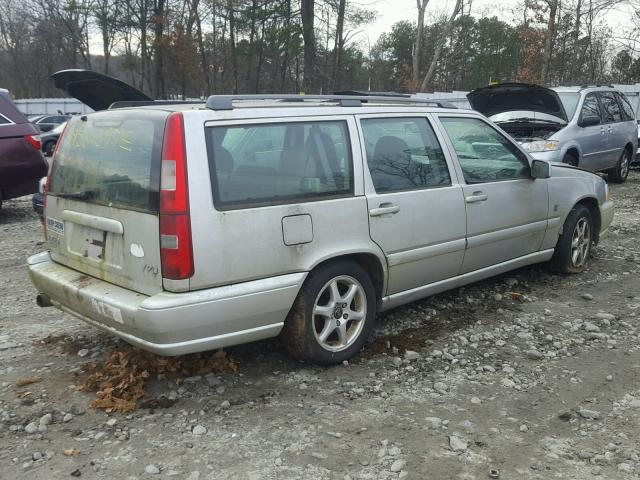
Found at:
(21, 162)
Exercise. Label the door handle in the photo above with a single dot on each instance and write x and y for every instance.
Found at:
(384, 209)
(476, 197)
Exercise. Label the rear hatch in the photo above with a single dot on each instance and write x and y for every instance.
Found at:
(102, 207)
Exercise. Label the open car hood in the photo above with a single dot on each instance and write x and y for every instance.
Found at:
(511, 97)
(96, 90)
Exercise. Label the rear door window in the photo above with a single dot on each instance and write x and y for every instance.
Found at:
(627, 110)
(275, 163)
(111, 158)
(403, 154)
(610, 108)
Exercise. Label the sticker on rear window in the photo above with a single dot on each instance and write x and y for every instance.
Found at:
(55, 226)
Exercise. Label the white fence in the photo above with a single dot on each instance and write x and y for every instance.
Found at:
(37, 106)
(459, 98)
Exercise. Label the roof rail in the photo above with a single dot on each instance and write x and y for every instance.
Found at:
(146, 103)
(225, 102)
(582, 87)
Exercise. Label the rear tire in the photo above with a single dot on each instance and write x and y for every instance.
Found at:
(48, 148)
(574, 245)
(333, 314)
(620, 172)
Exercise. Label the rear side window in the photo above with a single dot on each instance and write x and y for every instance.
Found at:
(111, 158)
(610, 107)
(403, 154)
(4, 121)
(627, 110)
(255, 165)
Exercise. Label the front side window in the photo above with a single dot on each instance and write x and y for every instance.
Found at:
(610, 107)
(485, 155)
(403, 154)
(627, 109)
(590, 107)
(274, 163)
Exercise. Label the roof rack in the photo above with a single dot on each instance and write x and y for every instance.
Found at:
(597, 85)
(146, 103)
(225, 102)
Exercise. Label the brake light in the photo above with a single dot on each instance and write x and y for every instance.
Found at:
(175, 222)
(34, 141)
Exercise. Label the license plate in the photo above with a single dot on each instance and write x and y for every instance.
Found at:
(95, 241)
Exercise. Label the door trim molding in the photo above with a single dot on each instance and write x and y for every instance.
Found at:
(422, 253)
(506, 233)
(397, 299)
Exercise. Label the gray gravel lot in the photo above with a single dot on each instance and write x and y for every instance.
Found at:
(531, 375)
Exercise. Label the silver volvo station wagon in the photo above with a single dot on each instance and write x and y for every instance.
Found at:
(187, 227)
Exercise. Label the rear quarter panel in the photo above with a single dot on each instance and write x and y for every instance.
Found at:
(247, 244)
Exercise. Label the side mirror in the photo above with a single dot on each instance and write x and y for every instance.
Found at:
(589, 121)
(540, 169)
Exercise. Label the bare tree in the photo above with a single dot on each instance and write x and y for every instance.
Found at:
(438, 50)
(417, 46)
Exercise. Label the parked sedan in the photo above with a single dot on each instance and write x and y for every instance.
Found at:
(50, 139)
(46, 123)
(21, 163)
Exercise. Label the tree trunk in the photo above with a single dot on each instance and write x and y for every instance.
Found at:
(158, 50)
(417, 47)
(285, 59)
(204, 66)
(338, 45)
(549, 41)
(232, 39)
(307, 15)
(438, 50)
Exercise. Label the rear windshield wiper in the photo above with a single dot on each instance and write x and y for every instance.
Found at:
(82, 195)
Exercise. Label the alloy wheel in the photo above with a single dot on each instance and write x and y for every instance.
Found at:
(580, 243)
(339, 313)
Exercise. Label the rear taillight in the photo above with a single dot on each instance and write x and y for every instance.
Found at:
(175, 222)
(34, 141)
(47, 182)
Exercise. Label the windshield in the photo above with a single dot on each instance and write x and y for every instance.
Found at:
(570, 102)
(111, 158)
(525, 116)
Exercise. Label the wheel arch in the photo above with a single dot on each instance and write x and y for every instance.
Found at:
(373, 263)
(592, 205)
(575, 152)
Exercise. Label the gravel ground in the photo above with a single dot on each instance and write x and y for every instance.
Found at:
(526, 376)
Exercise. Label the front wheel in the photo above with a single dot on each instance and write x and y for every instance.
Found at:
(332, 316)
(575, 242)
(619, 173)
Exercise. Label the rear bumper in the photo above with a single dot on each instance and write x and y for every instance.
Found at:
(171, 323)
(606, 217)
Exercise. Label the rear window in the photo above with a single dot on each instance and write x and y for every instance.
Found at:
(274, 163)
(111, 158)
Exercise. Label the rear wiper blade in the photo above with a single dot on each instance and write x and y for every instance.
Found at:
(82, 195)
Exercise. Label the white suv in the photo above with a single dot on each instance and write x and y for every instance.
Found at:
(187, 227)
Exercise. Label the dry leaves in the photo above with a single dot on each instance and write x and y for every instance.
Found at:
(119, 381)
(71, 452)
(27, 381)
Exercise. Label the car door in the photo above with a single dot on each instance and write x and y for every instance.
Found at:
(416, 209)
(506, 209)
(592, 138)
(612, 117)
